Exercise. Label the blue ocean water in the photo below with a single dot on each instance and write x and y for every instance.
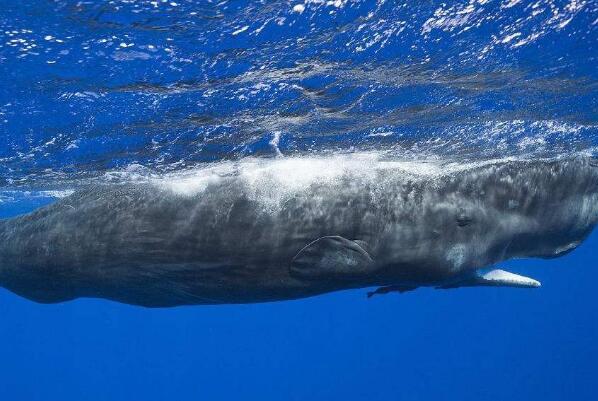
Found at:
(95, 91)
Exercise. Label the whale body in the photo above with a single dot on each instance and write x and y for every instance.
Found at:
(261, 230)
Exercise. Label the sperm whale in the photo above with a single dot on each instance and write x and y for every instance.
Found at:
(260, 230)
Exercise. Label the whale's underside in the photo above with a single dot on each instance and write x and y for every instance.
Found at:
(267, 230)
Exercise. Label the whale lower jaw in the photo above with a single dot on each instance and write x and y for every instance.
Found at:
(492, 278)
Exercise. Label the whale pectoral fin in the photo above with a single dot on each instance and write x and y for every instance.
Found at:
(332, 257)
(391, 288)
(493, 277)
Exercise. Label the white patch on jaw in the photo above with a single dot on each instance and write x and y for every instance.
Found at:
(456, 256)
(567, 247)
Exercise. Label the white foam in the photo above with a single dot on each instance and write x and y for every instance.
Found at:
(291, 174)
(57, 193)
(275, 141)
(240, 30)
(299, 8)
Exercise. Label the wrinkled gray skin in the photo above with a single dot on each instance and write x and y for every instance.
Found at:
(144, 244)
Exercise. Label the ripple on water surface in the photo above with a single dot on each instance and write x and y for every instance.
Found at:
(95, 87)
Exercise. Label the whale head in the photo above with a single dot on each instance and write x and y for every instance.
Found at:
(539, 209)
(556, 209)
(482, 216)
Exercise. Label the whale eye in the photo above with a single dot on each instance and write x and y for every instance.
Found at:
(463, 219)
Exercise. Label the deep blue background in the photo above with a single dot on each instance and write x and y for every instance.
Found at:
(464, 344)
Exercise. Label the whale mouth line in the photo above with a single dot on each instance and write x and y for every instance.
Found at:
(565, 249)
